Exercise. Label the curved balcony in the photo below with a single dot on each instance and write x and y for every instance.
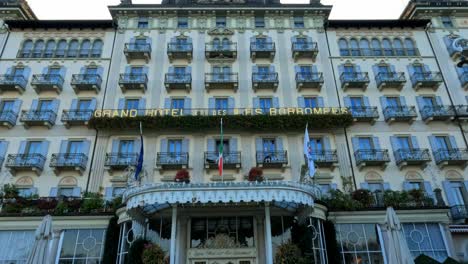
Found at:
(38, 118)
(262, 50)
(265, 81)
(47, 82)
(394, 80)
(437, 113)
(412, 157)
(178, 81)
(137, 51)
(177, 50)
(172, 160)
(358, 80)
(121, 160)
(304, 50)
(25, 162)
(69, 162)
(221, 51)
(86, 82)
(272, 159)
(451, 157)
(215, 81)
(76, 117)
(133, 82)
(364, 113)
(312, 80)
(10, 82)
(372, 157)
(431, 80)
(8, 118)
(400, 114)
(231, 160)
(325, 158)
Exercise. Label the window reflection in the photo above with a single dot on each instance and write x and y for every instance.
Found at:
(229, 231)
(359, 243)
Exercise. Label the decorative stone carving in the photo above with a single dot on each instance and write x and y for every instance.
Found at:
(221, 241)
(122, 24)
(220, 32)
(25, 181)
(68, 181)
(453, 175)
(413, 176)
(373, 176)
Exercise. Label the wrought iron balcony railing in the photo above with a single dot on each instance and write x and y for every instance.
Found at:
(412, 156)
(390, 79)
(371, 157)
(86, 81)
(400, 113)
(25, 161)
(121, 159)
(325, 158)
(231, 160)
(60, 53)
(364, 112)
(262, 46)
(426, 80)
(47, 82)
(304, 50)
(461, 111)
(265, 77)
(272, 158)
(38, 117)
(459, 212)
(10, 82)
(221, 77)
(137, 47)
(221, 51)
(354, 80)
(437, 112)
(309, 77)
(379, 52)
(76, 116)
(8, 118)
(451, 156)
(172, 159)
(179, 47)
(133, 81)
(69, 160)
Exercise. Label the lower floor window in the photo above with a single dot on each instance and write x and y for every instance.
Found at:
(82, 246)
(16, 246)
(236, 231)
(359, 243)
(427, 239)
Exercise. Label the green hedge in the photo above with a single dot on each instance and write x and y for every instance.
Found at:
(254, 123)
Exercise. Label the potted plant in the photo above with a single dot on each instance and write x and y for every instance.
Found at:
(256, 175)
(10, 191)
(363, 196)
(153, 254)
(182, 176)
(92, 202)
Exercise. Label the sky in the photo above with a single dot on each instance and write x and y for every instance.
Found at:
(97, 9)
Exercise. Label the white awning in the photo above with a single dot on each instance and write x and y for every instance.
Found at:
(157, 196)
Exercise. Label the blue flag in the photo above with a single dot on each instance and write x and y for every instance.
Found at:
(139, 166)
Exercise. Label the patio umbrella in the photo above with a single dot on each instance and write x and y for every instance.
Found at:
(397, 248)
(40, 252)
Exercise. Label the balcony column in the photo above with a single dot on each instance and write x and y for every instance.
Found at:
(172, 253)
(268, 242)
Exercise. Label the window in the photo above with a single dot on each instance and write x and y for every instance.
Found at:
(72, 48)
(393, 102)
(269, 145)
(365, 47)
(429, 101)
(131, 104)
(221, 21)
(356, 102)
(85, 48)
(359, 243)
(61, 49)
(259, 22)
(33, 147)
(204, 231)
(83, 104)
(398, 46)
(316, 144)
(27, 48)
(265, 104)
(126, 146)
(442, 142)
(404, 143)
(136, 71)
(458, 190)
(7, 105)
(75, 147)
(25, 193)
(180, 71)
(225, 146)
(177, 103)
(427, 239)
(97, 48)
(298, 22)
(344, 49)
(174, 146)
(82, 246)
(221, 103)
(182, 22)
(310, 102)
(374, 187)
(143, 22)
(354, 47)
(414, 186)
(410, 48)
(365, 143)
(38, 48)
(16, 246)
(376, 48)
(387, 45)
(50, 48)
(65, 192)
(446, 22)
(18, 71)
(383, 69)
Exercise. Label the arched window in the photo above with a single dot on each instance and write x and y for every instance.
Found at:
(387, 47)
(61, 48)
(376, 47)
(97, 48)
(409, 47)
(398, 46)
(216, 43)
(225, 43)
(50, 49)
(85, 48)
(27, 48)
(38, 48)
(344, 49)
(354, 47)
(365, 48)
(73, 48)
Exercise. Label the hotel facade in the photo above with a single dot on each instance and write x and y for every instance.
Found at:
(385, 103)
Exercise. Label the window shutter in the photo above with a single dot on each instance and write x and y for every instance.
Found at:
(188, 70)
(115, 145)
(414, 142)
(410, 69)
(407, 186)
(128, 69)
(187, 105)
(402, 100)
(326, 142)
(34, 104)
(428, 189)
(272, 68)
(34, 191)
(211, 145)
(44, 147)
(395, 144)
(357, 68)
(231, 105)
(334, 186)
(17, 106)
(375, 69)
(55, 105)
(439, 100)
(121, 103)
(45, 70)
(314, 69)
(74, 104)
(376, 142)
(453, 142)
(3, 148)
(63, 71)
(10, 70)
(163, 145)
(365, 185)
(83, 70)
(93, 104)
(386, 186)
(347, 101)
(420, 102)
(63, 146)
(76, 192)
(233, 144)
(108, 194)
(355, 141)
(301, 101)
(211, 103)
(320, 101)
(341, 69)
(141, 106)
(255, 69)
(185, 145)
(259, 144)
(279, 144)
(366, 100)
(86, 146)
(167, 103)
(276, 102)
(448, 192)
(383, 102)
(26, 72)
(53, 192)
(137, 147)
(22, 148)
(256, 102)
(426, 68)
(433, 142)
(297, 68)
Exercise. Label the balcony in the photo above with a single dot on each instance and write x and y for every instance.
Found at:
(47, 82)
(394, 80)
(231, 160)
(325, 158)
(354, 80)
(38, 118)
(462, 112)
(86, 82)
(178, 81)
(8, 118)
(76, 117)
(69, 162)
(400, 114)
(25, 162)
(264, 50)
(180, 51)
(221, 52)
(464, 80)
(12, 83)
(133, 82)
(372, 157)
(172, 160)
(60, 53)
(451, 157)
(312, 80)
(379, 52)
(264, 81)
(459, 212)
(437, 113)
(412, 157)
(137, 51)
(120, 161)
(276, 159)
(431, 80)
(364, 114)
(304, 50)
(215, 81)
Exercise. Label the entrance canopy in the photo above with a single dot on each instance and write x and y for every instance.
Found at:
(156, 196)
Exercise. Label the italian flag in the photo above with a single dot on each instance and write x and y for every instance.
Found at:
(220, 158)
